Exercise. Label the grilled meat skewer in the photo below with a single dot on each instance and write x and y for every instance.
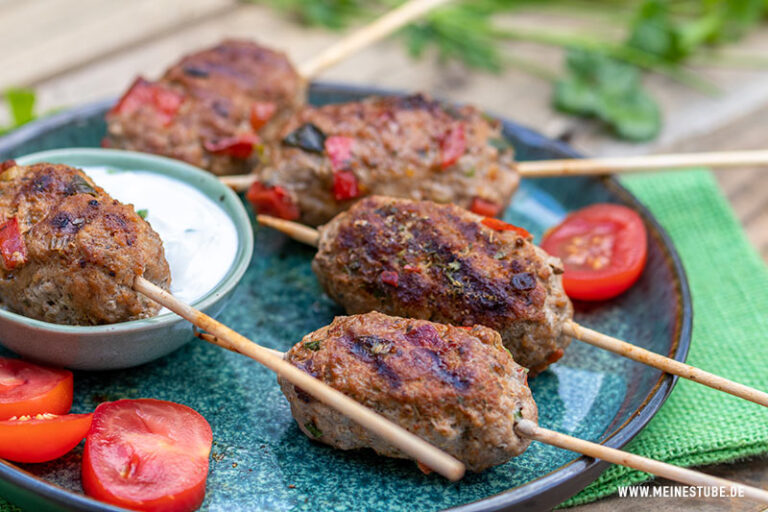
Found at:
(70, 253)
(419, 259)
(456, 388)
(415, 147)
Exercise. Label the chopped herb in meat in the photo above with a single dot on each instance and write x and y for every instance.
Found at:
(313, 345)
(79, 185)
(142, 213)
(312, 428)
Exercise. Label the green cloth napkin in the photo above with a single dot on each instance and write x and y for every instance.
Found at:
(729, 285)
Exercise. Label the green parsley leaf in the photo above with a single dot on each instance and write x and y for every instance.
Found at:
(312, 428)
(142, 213)
(313, 345)
(607, 89)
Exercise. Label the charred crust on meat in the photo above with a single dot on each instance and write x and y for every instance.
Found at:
(308, 137)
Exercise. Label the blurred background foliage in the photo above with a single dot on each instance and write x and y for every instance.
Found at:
(602, 73)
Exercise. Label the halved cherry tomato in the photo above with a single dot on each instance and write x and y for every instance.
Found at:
(41, 437)
(28, 389)
(500, 225)
(273, 201)
(484, 207)
(12, 246)
(452, 145)
(339, 150)
(240, 146)
(147, 455)
(261, 113)
(603, 248)
(164, 101)
(345, 185)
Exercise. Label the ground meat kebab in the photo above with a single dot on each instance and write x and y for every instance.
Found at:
(441, 263)
(70, 253)
(456, 388)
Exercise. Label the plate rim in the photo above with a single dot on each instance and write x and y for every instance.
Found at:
(541, 493)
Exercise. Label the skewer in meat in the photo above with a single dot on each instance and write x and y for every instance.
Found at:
(413, 147)
(210, 109)
(419, 259)
(424, 260)
(456, 388)
(71, 253)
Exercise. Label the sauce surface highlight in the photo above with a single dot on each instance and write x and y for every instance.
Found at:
(200, 239)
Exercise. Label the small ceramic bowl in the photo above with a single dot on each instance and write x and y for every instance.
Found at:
(129, 343)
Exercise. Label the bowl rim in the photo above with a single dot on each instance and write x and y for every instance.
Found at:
(200, 180)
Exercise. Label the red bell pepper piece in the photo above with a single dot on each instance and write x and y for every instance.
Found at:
(452, 145)
(390, 277)
(240, 146)
(500, 225)
(164, 101)
(273, 201)
(261, 113)
(345, 185)
(339, 150)
(484, 207)
(12, 246)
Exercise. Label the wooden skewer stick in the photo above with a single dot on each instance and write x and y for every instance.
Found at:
(613, 165)
(663, 363)
(225, 337)
(311, 236)
(379, 29)
(529, 429)
(596, 166)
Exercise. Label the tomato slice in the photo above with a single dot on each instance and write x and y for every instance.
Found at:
(12, 246)
(500, 225)
(603, 248)
(275, 201)
(484, 207)
(261, 113)
(147, 455)
(240, 146)
(452, 145)
(345, 185)
(164, 101)
(41, 437)
(28, 389)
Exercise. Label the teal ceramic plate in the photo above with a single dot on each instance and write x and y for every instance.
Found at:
(260, 459)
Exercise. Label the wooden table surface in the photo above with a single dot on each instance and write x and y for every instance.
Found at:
(84, 50)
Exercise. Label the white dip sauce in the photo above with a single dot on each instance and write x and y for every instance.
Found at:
(199, 238)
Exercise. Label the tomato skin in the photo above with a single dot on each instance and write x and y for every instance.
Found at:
(240, 146)
(603, 247)
(28, 389)
(339, 150)
(12, 246)
(165, 102)
(273, 201)
(147, 455)
(452, 145)
(345, 185)
(484, 207)
(500, 225)
(261, 113)
(43, 437)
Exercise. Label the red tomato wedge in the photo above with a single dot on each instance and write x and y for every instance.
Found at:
(274, 201)
(147, 455)
(603, 248)
(28, 389)
(42, 437)
(12, 246)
